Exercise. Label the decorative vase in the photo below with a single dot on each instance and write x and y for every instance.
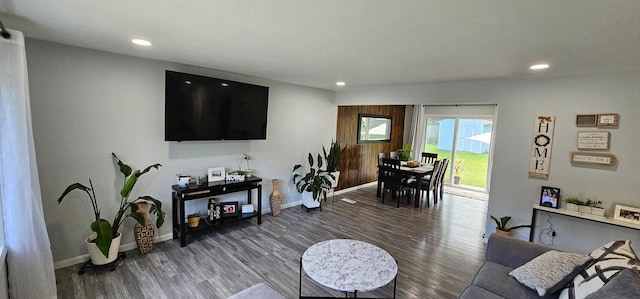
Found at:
(144, 234)
(97, 258)
(193, 221)
(275, 199)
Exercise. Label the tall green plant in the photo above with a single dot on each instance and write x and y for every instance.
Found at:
(333, 156)
(105, 230)
(316, 181)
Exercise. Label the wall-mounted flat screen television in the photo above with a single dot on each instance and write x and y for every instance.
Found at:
(203, 108)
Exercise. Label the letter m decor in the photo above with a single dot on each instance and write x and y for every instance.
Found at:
(541, 146)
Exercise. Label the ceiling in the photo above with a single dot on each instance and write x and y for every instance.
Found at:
(362, 42)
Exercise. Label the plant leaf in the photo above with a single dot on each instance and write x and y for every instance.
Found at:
(104, 235)
(310, 160)
(124, 168)
(71, 188)
(128, 186)
(156, 166)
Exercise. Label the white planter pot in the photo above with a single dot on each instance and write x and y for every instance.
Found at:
(97, 258)
(308, 201)
(572, 207)
(584, 209)
(597, 211)
(334, 183)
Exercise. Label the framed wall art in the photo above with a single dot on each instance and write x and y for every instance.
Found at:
(609, 120)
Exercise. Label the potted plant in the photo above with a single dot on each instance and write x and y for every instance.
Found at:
(596, 208)
(573, 202)
(502, 227)
(313, 184)
(104, 245)
(247, 172)
(458, 167)
(333, 157)
(405, 153)
(585, 207)
(193, 220)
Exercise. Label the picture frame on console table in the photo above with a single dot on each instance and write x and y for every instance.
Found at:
(216, 174)
(229, 209)
(627, 214)
(550, 197)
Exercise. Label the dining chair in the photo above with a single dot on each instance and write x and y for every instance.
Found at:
(380, 156)
(392, 179)
(429, 185)
(440, 180)
(429, 158)
(394, 155)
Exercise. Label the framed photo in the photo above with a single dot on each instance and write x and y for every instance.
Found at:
(216, 174)
(586, 120)
(593, 140)
(229, 209)
(550, 197)
(608, 120)
(627, 214)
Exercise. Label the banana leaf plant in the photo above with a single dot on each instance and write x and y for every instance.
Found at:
(316, 181)
(105, 230)
(503, 223)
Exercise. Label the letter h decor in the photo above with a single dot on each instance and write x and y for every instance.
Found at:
(541, 146)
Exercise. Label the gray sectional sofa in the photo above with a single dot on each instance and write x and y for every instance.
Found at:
(492, 280)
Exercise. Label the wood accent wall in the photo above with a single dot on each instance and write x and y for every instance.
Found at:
(358, 164)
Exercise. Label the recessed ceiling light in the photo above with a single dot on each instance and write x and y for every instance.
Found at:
(541, 66)
(341, 83)
(188, 82)
(225, 84)
(141, 42)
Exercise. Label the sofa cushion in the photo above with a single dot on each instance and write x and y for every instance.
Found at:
(624, 285)
(550, 271)
(495, 278)
(608, 260)
(476, 292)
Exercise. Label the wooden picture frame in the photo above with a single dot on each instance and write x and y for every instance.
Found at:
(586, 120)
(593, 140)
(627, 214)
(550, 197)
(229, 209)
(593, 158)
(608, 120)
(216, 174)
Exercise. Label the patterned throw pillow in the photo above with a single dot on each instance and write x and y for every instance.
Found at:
(607, 261)
(550, 271)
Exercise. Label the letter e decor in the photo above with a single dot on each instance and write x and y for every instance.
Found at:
(541, 146)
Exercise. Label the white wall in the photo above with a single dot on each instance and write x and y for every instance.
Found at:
(519, 101)
(87, 104)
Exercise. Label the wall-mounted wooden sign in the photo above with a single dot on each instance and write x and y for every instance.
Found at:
(593, 158)
(593, 140)
(609, 120)
(586, 120)
(541, 146)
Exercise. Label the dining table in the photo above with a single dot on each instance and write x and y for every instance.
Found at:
(417, 173)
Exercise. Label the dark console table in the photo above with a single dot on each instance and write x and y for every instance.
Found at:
(192, 191)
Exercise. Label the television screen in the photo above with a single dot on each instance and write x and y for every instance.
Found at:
(203, 108)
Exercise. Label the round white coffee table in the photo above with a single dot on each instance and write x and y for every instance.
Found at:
(349, 266)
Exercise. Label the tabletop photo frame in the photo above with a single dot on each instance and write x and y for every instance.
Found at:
(627, 214)
(550, 197)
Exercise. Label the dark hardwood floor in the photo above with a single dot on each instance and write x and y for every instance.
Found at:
(437, 250)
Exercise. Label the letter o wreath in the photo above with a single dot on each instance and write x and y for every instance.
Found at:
(545, 137)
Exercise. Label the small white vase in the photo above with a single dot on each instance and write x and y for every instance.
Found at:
(97, 258)
(572, 207)
(308, 201)
(597, 211)
(584, 209)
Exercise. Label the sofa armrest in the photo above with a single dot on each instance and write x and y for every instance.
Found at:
(512, 252)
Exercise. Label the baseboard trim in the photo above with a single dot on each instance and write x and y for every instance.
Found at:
(124, 247)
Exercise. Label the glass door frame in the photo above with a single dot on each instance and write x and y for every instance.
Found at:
(456, 118)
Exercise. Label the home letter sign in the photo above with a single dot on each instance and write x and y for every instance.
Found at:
(541, 146)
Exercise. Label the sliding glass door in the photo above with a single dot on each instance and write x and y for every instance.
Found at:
(466, 142)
